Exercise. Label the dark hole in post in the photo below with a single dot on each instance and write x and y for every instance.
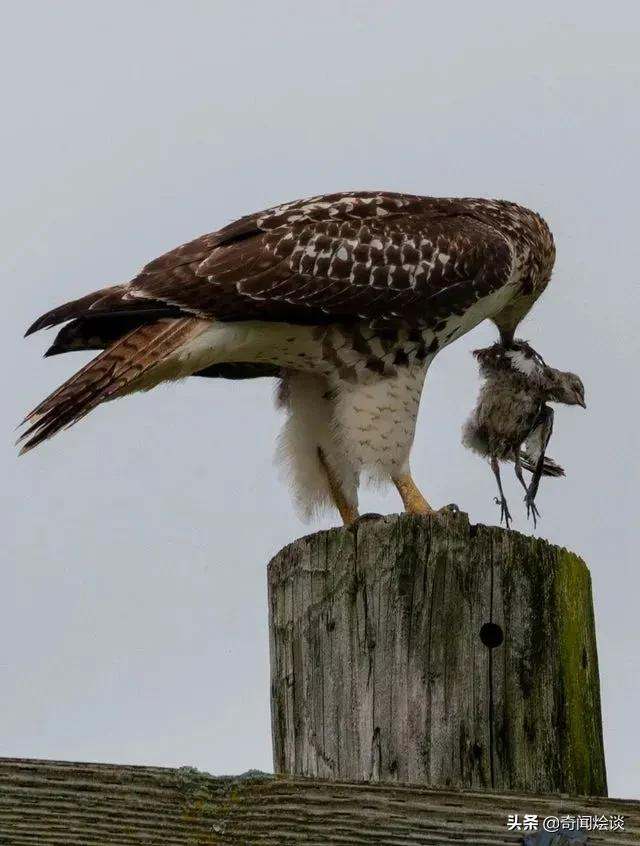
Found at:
(491, 635)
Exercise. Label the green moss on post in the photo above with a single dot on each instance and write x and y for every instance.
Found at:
(579, 667)
(429, 651)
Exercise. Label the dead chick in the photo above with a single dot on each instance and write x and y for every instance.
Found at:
(512, 420)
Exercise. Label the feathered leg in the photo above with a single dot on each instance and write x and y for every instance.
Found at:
(317, 464)
(375, 421)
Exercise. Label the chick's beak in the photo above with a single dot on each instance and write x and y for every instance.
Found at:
(581, 401)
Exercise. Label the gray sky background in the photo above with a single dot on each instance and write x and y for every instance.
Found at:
(133, 618)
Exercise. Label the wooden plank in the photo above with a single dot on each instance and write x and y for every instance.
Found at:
(49, 803)
(391, 680)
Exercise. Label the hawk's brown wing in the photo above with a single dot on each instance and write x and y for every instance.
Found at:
(363, 256)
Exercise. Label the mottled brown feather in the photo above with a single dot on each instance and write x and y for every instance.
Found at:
(107, 376)
(363, 258)
(354, 256)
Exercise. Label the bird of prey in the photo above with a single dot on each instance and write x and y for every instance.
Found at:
(512, 421)
(345, 297)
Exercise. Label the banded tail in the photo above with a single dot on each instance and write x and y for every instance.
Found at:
(139, 360)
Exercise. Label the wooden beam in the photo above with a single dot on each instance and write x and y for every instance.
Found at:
(52, 803)
(428, 651)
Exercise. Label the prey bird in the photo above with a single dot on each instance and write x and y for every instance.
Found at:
(346, 298)
(512, 420)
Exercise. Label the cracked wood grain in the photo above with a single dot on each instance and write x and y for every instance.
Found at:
(378, 671)
(52, 803)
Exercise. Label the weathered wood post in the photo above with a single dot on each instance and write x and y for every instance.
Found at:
(433, 652)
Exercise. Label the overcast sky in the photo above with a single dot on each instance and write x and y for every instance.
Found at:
(133, 616)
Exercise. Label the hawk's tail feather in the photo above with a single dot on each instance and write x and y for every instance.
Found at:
(75, 308)
(112, 373)
(113, 303)
(549, 466)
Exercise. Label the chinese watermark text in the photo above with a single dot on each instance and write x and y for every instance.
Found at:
(567, 822)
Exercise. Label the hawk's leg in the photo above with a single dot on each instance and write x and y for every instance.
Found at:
(348, 512)
(412, 499)
(505, 514)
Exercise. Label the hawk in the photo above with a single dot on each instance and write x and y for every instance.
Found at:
(345, 297)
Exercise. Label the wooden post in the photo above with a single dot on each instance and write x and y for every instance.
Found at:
(428, 651)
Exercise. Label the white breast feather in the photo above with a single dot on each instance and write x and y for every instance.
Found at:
(525, 364)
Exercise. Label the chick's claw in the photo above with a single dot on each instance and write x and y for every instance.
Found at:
(505, 514)
(532, 510)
